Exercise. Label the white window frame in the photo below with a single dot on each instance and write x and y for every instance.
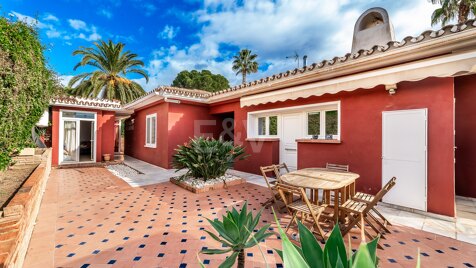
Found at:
(303, 110)
(267, 125)
(148, 131)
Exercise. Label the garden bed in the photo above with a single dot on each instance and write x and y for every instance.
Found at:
(199, 186)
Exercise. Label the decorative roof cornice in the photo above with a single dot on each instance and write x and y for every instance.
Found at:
(94, 103)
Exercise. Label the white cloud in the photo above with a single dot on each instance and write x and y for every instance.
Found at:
(28, 20)
(53, 33)
(50, 17)
(149, 8)
(64, 79)
(78, 24)
(169, 32)
(274, 29)
(105, 12)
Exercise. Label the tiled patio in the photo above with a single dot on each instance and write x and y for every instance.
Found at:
(90, 218)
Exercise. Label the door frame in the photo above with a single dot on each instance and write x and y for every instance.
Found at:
(78, 131)
(426, 145)
(299, 115)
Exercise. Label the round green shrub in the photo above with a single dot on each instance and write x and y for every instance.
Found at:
(206, 158)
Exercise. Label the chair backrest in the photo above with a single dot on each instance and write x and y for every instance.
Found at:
(337, 167)
(268, 169)
(279, 168)
(385, 189)
(286, 190)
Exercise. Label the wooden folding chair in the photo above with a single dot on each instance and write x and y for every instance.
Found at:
(303, 206)
(279, 169)
(357, 211)
(336, 167)
(368, 198)
(271, 183)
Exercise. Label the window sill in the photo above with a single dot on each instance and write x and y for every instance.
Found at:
(262, 139)
(150, 146)
(318, 141)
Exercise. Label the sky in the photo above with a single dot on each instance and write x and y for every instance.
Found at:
(172, 35)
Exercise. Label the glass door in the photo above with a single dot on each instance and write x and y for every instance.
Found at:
(70, 146)
(86, 137)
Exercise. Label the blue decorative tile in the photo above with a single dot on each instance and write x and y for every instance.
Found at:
(163, 243)
(468, 265)
(96, 252)
(126, 238)
(111, 262)
(409, 257)
(425, 254)
(249, 254)
(119, 249)
(206, 261)
(161, 255)
(70, 255)
(82, 243)
(279, 265)
(183, 265)
(392, 260)
(145, 236)
(183, 251)
(137, 258)
(105, 240)
(58, 246)
(183, 240)
(142, 246)
(270, 251)
(439, 251)
(203, 238)
(453, 248)
(86, 265)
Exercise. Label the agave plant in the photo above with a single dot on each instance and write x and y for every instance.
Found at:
(206, 158)
(235, 233)
(334, 254)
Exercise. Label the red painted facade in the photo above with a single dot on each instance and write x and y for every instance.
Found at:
(465, 135)
(176, 124)
(361, 134)
(104, 132)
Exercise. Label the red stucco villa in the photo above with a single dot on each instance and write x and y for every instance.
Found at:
(389, 108)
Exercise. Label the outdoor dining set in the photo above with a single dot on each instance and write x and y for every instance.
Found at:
(325, 197)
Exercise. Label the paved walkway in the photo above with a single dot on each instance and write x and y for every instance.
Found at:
(462, 228)
(90, 218)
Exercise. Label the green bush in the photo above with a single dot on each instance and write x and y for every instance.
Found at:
(206, 158)
(26, 86)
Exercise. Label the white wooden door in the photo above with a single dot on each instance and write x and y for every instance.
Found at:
(290, 131)
(404, 156)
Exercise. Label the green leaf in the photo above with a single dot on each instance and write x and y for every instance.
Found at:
(311, 249)
(228, 263)
(291, 256)
(335, 247)
(215, 251)
(231, 228)
(363, 257)
(217, 238)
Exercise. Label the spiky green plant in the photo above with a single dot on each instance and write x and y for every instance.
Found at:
(235, 232)
(206, 158)
(334, 254)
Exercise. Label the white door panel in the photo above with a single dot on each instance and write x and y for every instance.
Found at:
(291, 130)
(404, 156)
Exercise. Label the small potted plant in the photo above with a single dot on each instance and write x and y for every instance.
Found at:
(106, 157)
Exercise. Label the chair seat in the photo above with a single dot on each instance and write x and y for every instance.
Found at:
(353, 206)
(301, 206)
(363, 197)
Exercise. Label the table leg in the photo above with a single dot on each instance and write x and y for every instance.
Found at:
(336, 205)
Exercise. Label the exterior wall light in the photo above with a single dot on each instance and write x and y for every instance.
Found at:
(392, 89)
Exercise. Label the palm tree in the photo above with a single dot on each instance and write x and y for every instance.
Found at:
(451, 9)
(245, 63)
(109, 81)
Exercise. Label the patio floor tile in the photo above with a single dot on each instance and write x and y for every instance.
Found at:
(90, 218)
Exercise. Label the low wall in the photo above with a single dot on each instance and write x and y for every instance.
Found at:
(19, 216)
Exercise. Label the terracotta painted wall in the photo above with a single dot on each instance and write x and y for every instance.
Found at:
(104, 132)
(177, 123)
(135, 138)
(465, 126)
(361, 135)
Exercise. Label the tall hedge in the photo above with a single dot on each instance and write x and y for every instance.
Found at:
(26, 86)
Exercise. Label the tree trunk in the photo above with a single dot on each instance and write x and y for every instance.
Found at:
(241, 259)
(244, 77)
(463, 12)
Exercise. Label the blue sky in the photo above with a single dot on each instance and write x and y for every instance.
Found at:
(171, 36)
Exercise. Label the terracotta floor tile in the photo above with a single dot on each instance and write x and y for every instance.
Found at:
(104, 222)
